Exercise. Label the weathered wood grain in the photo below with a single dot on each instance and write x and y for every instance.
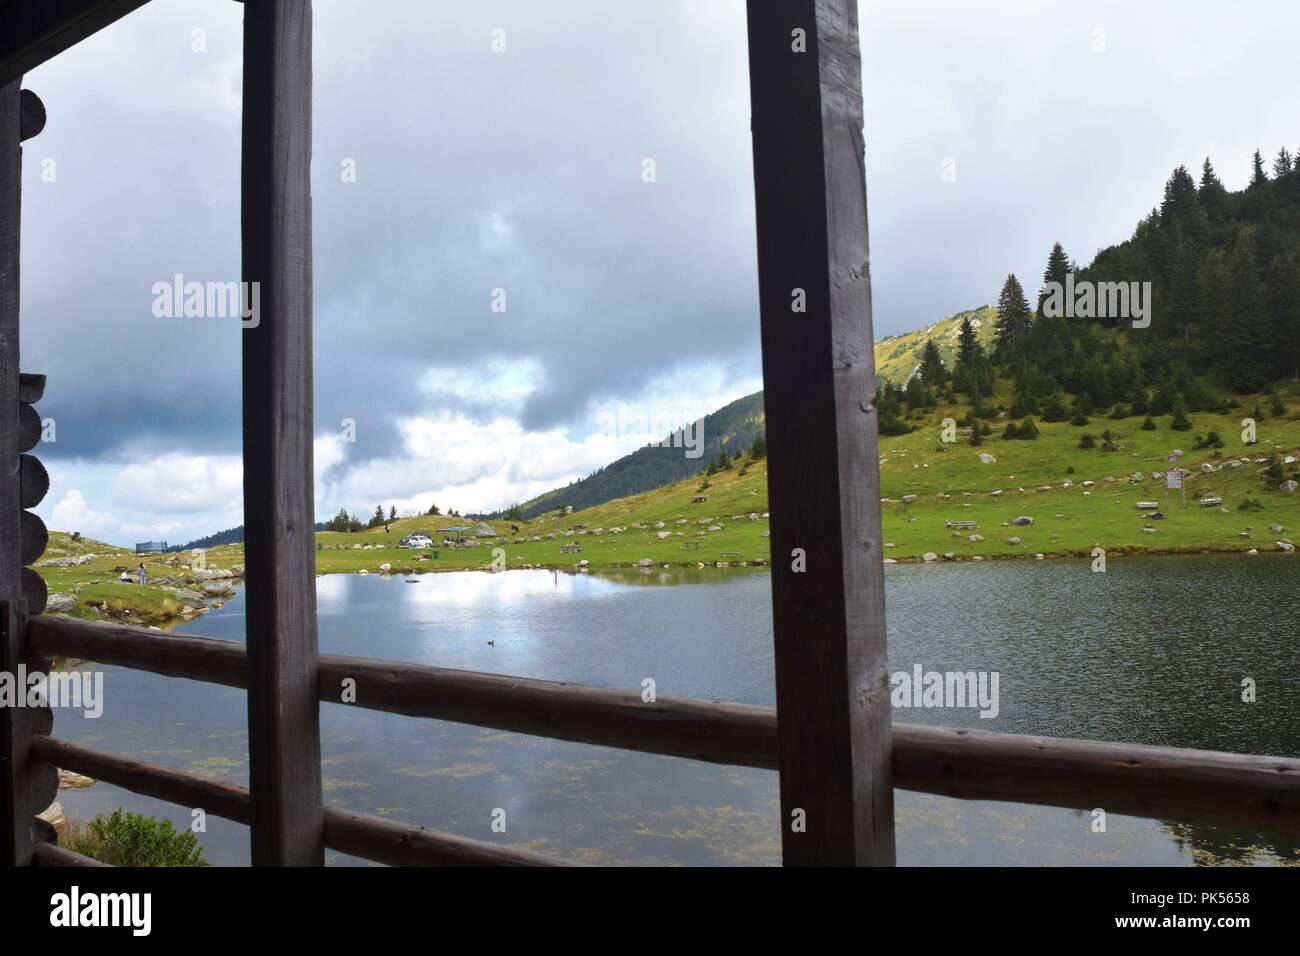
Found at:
(28, 427)
(34, 481)
(1197, 786)
(31, 387)
(33, 535)
(279, 513)
(16, 812)
(173, 655)
(823, 481)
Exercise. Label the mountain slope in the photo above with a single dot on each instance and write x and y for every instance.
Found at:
(734, 427)
(899, 356)
(728, 430)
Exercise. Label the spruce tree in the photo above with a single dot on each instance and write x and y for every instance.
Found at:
(1282, 163)
(931, 371)
(1213, 196)
(1013, 313)
(1058, 266)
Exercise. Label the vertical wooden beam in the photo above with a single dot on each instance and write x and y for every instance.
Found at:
(279, 511)
(832, 690)
(15, 732)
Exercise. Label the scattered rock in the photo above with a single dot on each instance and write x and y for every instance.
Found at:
(188, 598)
(53, 815)
(74, 781)
(987, 459)
(1013, 540)
(929, 556)
(1023, 520)
(60, 603)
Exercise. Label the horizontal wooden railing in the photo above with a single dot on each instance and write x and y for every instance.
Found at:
(703, 730)
(1258, 792)
(49, 854)
(359, 834)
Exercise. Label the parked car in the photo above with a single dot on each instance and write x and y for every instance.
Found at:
(416, 541)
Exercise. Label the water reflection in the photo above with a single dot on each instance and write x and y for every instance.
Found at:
(1151, 655)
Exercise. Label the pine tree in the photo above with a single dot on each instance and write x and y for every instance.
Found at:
(1180, 197)
(1282, 163)
(1213, 196)
(1284, 304)
(1058, 266)
(931, 371)
(1258, 177)
(392, 513)
(1246, 345)
(972, 374)
(1013, 313)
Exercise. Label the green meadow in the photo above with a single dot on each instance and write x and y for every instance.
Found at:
(1051, 479)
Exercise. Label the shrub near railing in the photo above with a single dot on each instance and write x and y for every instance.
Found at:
(131, 839)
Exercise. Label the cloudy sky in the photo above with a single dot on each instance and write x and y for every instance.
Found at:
(628, 305)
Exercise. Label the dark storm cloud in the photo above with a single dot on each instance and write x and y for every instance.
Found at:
(521, 171)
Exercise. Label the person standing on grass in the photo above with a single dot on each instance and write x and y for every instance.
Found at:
(143, 575)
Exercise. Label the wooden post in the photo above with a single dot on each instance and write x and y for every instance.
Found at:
(279, 513)
(15, 738)
(832, 690)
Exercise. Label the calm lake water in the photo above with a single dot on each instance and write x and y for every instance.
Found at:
(1152, 652)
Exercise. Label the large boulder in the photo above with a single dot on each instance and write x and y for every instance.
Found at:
(1022, 520)
(187, 598)
(61, 603)
(1288, 486)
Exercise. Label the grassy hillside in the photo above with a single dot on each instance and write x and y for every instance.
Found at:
(730, 428)
(1061, 486)
(898, 356)
(736, 425)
